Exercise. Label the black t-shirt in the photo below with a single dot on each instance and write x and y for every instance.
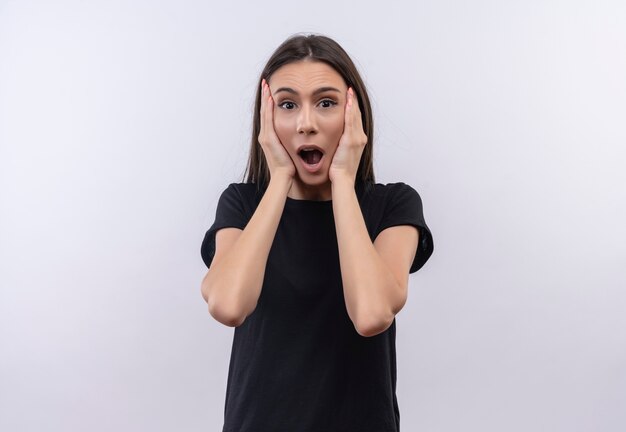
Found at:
(297, 362)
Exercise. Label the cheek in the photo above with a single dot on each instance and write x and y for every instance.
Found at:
(282, 125)
(334, 126)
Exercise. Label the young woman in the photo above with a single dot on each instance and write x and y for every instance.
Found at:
(309, 258)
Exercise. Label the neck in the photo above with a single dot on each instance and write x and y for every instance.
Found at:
(302, 191)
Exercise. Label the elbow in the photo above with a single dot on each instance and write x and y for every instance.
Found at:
(227, 316)
(221, 311)
(380, 318)
(204, 288)
(375, 324)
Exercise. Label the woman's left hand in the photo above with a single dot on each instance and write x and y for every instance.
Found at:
(346, 159)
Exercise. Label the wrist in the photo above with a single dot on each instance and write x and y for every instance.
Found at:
(342, 185)
(281, 180)
(281, 175)
(342, 179)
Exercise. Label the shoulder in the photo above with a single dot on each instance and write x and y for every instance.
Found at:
(387, 187)
(389, 193)
(241, 188)
(397, 203)
(399, 187)
(402, 205)
(243, 196)
(388, 201)
(243, 191)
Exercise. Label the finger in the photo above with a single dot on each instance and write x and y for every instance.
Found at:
(262, 93)
(269, 111)
(354, 103)
(354, 108)
(348, 113)
(267, 115)
(262, 110)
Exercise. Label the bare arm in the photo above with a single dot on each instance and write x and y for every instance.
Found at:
(370, 289)
(233, 283)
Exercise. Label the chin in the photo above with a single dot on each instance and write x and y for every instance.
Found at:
(317, 178)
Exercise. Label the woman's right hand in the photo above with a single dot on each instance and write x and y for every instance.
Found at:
(277, 157)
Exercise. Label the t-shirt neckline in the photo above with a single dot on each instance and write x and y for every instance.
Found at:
(305, 201)
(358, 188)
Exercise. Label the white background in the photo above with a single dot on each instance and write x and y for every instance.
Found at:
(121, 122)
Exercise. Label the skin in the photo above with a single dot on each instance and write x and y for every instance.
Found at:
(328, 119)
(374, 275)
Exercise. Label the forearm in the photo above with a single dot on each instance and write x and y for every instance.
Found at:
(369, 286)
(236, 281)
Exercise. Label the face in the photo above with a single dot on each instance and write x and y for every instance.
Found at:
(310, 99)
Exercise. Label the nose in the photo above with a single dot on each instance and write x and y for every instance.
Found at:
(306, 121)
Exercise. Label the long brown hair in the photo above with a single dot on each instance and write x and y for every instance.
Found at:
(316, 48)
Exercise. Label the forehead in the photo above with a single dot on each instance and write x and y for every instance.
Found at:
(306, 75)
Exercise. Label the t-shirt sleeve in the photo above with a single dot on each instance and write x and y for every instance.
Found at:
(404, 207)
(230, 213)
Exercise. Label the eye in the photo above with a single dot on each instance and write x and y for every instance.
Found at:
(283, 103)
(328, 104)
(329, 101)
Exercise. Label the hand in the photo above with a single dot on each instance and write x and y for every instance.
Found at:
(277, 157)
(346, 159)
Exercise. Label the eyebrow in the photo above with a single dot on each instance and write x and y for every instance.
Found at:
(318, 91)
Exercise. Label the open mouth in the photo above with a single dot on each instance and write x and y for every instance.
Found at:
(311, 156)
